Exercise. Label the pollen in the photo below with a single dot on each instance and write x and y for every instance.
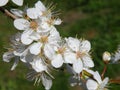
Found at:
(61, 50)
(51, 20)
(79, 54)
(33, 25)
(44, 39)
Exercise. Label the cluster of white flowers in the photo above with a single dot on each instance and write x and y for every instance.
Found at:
(40, 46)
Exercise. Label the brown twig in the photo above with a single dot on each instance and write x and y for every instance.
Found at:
(104, 71)
(7, 13)
(115, 81)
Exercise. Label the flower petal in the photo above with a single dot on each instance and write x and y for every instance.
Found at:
(91, 84)
(25, 37)
(8, 56)
(17, 12)
(21, 24)
(39, 5)
(32, 13)
(97, 77)
(47, 82)
(87, 61)
(3, 2)
(70, 57)
(18, 2)
(15, 63)
(104, 83)
(78, 66)
(73, 43)
(57, 61)
(54, 35)
(35, 36)
(85, 46)
(49, 51)
(57, 21)
(37, 65)
(35, 48)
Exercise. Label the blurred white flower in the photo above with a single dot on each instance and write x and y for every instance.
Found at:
(98, 83)
(78, 55)
(17, 2)
(116, 57)
(14, 52)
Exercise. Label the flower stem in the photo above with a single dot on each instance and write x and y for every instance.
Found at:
(104, 71)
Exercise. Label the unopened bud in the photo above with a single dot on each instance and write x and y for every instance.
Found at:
(106, 56)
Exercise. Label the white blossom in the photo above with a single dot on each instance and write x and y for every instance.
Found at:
(78, 55)
(98, 83)
(116, 56)
(45, 14)
(45, 40)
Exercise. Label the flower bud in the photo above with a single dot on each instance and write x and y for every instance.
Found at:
(106, 56)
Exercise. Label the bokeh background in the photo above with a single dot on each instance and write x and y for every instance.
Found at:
(95, 20)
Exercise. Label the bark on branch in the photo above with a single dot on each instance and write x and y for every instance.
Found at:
(7, 13)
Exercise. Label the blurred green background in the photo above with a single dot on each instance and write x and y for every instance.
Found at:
(95, 20)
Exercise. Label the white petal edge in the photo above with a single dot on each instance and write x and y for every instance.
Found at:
(78, 66)
(57, 61)
(87, 61)
(18, 2)
(17, 12)
(85, 46)
(3, 2)
(35, 48)
(32, 13)
(97, 76)
(49, 51)
(21, 24)
(73, 43)
(91, 84)
(70, 57)
(25, 37)
(39, 5)
(37, 65)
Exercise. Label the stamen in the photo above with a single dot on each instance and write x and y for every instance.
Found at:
(79, 54)
(44, 39)
(61, 50)
(33, 25)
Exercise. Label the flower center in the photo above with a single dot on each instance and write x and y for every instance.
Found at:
(79, 54)
(33, 25)
(44, 39)
(61, 50)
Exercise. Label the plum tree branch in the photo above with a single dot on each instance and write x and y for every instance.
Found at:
(7, 13)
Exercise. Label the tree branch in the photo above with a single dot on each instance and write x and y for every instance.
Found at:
(7, 13)
(116, 81)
